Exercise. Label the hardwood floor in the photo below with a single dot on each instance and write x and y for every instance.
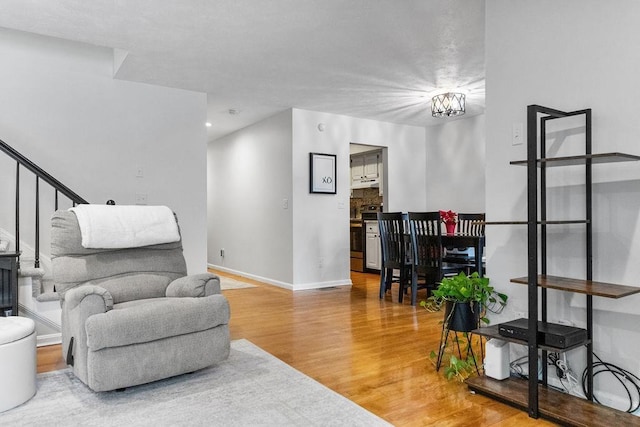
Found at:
(374, 352)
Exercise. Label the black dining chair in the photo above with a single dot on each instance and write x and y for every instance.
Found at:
(471, 224)
(395, 255)
(427, 252)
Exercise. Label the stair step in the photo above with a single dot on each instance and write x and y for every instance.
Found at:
(48, 296)
(31, 272)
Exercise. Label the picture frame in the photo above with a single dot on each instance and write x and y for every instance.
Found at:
(322, 173)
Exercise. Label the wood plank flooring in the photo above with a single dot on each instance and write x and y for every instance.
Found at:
(374, 352)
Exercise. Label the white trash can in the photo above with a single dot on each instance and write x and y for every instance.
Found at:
(17, 361)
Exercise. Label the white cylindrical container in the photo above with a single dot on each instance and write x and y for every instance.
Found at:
(496, 360)
(18, 356)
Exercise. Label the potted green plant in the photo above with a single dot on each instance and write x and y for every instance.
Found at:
(466, 300)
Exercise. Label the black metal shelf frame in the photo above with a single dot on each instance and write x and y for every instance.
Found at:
(542, 114)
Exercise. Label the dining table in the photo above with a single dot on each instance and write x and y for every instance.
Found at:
(464, 240)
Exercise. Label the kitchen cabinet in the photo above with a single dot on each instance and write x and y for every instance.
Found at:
(365, 167)
(357, 168)
(371, 165)
(373, 255)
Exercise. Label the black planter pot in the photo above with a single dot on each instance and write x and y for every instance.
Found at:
(465, 316)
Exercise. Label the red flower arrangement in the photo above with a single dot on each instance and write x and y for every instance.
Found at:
(448, 217)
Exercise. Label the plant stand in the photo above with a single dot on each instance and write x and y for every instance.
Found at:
(468, 336)
(459, 317)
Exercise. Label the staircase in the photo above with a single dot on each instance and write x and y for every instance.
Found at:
(37, 297)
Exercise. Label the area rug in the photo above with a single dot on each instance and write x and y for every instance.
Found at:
(251, 388)
(227, 283)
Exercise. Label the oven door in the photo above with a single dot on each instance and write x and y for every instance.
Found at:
(357, 248)
(356, 238)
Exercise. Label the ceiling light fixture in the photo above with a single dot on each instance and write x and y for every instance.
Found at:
(208, 124)
(448, 104)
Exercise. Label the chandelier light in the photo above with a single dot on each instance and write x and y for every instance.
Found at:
(448, 104)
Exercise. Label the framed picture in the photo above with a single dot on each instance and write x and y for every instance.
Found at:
(322, 173)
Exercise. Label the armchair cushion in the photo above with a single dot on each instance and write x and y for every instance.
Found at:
(154, 319)
(195, 285)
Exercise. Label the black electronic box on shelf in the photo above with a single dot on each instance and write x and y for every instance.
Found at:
(550, 334)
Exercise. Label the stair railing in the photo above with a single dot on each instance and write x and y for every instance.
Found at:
(22, 161)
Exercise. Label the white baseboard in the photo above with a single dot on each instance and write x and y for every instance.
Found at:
(289, 286)
(320, 285)
(45, 340)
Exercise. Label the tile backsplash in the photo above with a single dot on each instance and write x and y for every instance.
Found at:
(364, 197)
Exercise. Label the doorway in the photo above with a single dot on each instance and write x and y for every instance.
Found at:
(367, 188)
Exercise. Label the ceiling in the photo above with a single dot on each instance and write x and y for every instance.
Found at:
(375, 59)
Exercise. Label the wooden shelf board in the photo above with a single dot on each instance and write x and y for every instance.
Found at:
(589, 287)
(492, 332)
(554, 405)
(581, 159)
(547, 222)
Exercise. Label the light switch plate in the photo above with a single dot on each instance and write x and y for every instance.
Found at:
(141, 199)
(516, 134)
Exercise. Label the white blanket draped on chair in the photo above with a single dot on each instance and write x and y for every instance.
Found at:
(110, 227)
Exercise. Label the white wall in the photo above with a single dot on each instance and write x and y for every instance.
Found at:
(321, 221)
(568, 55)
(306, 246)
(455, 165)
(62, 109)
(249, 177)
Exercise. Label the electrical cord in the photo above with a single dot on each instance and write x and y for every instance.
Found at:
(629, 381)
(570, 382)
(553, 359)
(516, 366)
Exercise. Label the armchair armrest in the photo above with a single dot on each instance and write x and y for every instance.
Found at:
(95, 299)
(195, 285)
(79, 304)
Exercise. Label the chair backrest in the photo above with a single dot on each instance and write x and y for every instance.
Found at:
(128, 274)
(426, 241)
(471, 223)
(392, 239)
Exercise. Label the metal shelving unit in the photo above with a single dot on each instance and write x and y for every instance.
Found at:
(537, 276)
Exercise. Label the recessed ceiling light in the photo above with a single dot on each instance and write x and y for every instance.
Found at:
(208, 124)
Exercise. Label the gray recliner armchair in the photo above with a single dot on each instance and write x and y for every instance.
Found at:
(132, 316)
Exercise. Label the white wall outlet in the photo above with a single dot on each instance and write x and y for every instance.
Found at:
(320, 262)
(139, 172)
(285, 203)
(141, 199)
(517, 134)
